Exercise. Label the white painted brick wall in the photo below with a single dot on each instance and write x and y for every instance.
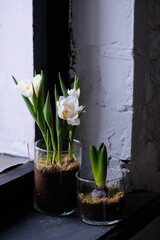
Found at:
(16, 58)
(103, 43)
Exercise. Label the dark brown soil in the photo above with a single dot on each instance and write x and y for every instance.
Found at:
(101, 209)
(55, 187)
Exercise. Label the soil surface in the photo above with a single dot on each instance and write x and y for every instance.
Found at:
(65, 164)
(55, 185)
(101, 208)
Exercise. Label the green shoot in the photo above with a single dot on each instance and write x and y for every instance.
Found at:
(76, 82)
(98, 159)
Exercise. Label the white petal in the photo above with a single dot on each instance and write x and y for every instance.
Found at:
(73, 101)
(73, 116)
(27, 93)
(61, 98)
(36, 83)
(59, 110)
(37, 78)
(78, 92)
(74, 122)
(74, 93)
(25, 87)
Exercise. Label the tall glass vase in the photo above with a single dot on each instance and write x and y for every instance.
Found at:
(55, 181)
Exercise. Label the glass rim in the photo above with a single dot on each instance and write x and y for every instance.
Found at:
(51, 151)
(89, 180)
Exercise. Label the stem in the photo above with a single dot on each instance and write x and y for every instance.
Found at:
(71, 136)
(47, 155)
(47, 142)
(70, 149)
(48, 147)
(54, 156)
(59, 153)
(54, 147)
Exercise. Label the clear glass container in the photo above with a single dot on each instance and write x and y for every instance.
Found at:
(55, 183)
(100, 206)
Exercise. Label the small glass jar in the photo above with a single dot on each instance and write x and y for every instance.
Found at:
(100, 206)
(55, 183)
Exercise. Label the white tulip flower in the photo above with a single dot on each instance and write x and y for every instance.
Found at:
(36, 83)
(25, 87)
(68, 109)
(74, 93)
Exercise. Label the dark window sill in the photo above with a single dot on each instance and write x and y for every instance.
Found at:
(9, 161)
(16, 191)
(15, 172)
(20, 221)
(142, 208)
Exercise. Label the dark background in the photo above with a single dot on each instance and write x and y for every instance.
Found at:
(51, 40)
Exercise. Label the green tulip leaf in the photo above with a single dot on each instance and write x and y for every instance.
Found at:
(63, 87)
(40, 115)
(47, 111)
(58, 120)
